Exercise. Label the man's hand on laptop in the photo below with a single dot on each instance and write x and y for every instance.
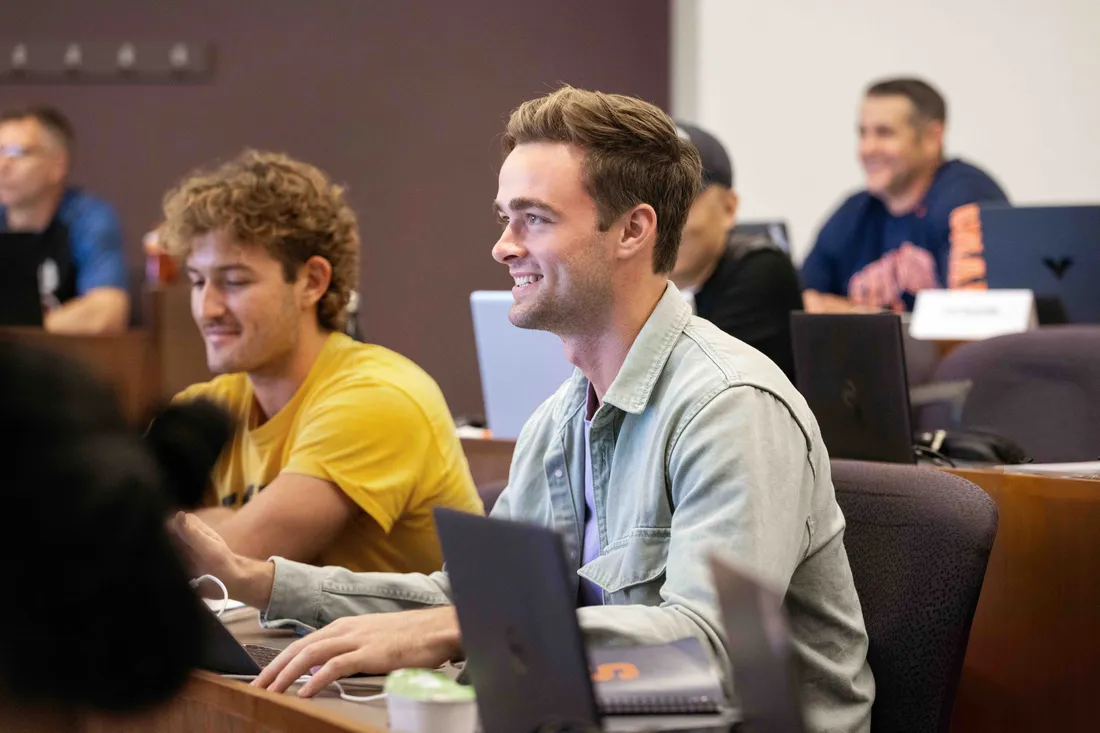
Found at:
(373, 644)
(247, 580)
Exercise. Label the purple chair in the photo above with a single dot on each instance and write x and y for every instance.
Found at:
(1040, 389)
(918, 540)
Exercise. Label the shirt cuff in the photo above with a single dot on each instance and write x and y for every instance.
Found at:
(295, 593)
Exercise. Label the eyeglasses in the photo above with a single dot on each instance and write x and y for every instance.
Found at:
(18, 152)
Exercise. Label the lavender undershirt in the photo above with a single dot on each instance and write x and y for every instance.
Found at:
(590, 594)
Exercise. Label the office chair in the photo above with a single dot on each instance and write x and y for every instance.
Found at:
(918, 540)
(490, 492)
(1040, 389)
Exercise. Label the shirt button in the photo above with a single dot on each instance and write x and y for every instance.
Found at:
(572, 556)
(558, 473)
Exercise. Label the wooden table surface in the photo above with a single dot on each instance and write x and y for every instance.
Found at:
(1033, 662)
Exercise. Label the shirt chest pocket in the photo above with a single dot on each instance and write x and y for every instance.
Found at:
(632, 570)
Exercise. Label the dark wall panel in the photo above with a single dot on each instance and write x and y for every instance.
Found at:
(402, 101)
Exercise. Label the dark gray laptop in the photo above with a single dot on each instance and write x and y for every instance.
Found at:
(851, 370)
(222, 653)
(20, 300)
(759, 645)
(1051, 250)
(525, 654)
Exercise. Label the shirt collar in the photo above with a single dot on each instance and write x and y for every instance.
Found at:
(633, 385)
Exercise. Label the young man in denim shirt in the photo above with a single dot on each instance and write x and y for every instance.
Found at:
(671, 441)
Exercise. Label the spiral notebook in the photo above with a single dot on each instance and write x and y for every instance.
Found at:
(665, 679)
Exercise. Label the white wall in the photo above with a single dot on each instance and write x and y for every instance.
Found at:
(779, 82)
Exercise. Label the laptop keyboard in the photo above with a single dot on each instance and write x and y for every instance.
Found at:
(261, 655)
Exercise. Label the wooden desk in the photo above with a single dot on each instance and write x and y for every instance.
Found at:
(489, 459)
(129, 362)
(213, 704)
(144, 366)
(1033, 662)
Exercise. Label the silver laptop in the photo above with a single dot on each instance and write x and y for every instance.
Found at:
(520, 368)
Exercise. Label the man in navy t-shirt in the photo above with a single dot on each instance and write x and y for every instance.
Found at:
(82, 269)
(888, 242)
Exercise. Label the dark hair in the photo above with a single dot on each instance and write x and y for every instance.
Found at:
(632, 155)
(928, 104)
(97, 577)
(50, 118)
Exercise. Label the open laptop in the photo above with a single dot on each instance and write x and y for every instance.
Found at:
(758, 642)
(20, 299)
(520, 368)
(776, 231)
(1053, 251)
(524, 649)
(851, 369)
(223, 654)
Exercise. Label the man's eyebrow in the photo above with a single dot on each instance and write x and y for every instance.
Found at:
(224, 269)
(524, 204)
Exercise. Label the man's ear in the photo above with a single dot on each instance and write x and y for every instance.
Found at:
(316, 273)
(639, 232)
(729, 207)
(59, 167)
(932, 133)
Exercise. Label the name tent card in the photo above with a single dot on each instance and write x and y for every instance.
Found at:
(970, 315)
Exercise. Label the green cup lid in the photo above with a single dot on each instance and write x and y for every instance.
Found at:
(426, 685)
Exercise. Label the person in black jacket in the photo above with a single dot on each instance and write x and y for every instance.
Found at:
(742, 283)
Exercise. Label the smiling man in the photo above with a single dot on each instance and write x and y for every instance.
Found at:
(671, 441)
(342, 448)
(886, 243)
(78, 238)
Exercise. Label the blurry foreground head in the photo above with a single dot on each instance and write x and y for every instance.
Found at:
(100, 615)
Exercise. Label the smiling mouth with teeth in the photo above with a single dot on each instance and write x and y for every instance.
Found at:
(524, 280)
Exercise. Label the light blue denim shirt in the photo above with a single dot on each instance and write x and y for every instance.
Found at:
(701, 446)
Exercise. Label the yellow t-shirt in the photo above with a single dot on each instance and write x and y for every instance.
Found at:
(371, 422)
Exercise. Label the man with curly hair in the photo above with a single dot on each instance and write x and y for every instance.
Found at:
(342, 448)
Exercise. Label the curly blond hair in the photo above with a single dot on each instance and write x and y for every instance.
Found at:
(290, 208)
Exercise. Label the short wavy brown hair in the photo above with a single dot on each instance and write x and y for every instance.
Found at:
(290, 208)
(632, 155)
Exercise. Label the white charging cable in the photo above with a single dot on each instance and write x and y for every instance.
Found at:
(225, 592)
(306, 678)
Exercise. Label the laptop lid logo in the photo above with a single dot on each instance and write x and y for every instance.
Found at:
(517, 652)
(1059, 266)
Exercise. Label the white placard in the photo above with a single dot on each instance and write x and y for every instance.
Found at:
(969, 315)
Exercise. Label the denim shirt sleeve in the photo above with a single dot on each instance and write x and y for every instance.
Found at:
(318, 596)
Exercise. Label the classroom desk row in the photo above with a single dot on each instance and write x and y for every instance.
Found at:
(144, 366)
(1033, 659)
(1032, 662)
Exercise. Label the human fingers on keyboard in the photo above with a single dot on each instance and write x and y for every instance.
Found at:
(307, 660)
(294, 661)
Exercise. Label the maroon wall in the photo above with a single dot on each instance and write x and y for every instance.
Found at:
(401, 100)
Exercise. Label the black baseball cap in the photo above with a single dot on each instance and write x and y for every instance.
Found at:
(717, 167)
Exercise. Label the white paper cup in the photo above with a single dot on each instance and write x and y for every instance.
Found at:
(423, 716)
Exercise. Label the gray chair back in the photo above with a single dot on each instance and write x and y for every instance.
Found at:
(918, 540)
(1040, 389)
